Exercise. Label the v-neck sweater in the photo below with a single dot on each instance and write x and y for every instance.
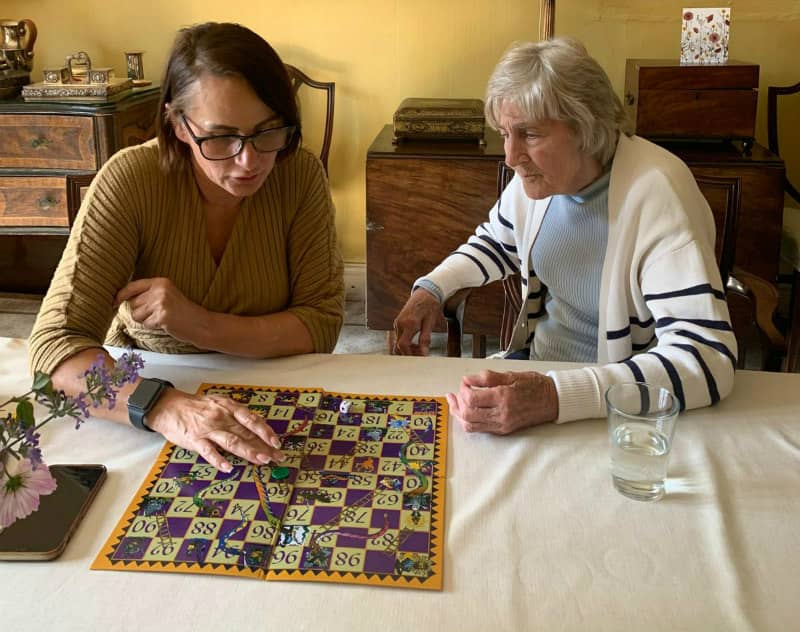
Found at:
(138, 222)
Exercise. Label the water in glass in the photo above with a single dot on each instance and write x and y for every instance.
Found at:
(639, 460)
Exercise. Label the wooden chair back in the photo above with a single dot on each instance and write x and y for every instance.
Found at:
(792, 361)
(299, 79)
(773, 92)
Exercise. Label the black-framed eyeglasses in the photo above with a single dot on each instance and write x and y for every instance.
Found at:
(226, 146)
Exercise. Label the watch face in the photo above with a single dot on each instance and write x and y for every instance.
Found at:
(145, 393)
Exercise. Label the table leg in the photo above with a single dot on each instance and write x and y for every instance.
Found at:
(793, 333)
(391, 339)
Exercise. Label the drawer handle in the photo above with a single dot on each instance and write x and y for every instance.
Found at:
(40, 142)
(47, 202)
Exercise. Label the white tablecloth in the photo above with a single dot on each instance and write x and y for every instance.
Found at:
(536, 536)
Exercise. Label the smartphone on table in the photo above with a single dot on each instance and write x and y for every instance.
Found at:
(44, 534)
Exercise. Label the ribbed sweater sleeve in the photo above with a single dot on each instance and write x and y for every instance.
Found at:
(98, 260)
(316, 269)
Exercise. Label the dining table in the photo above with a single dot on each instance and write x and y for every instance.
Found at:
(535, 535)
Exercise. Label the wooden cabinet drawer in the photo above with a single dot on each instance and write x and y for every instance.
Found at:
(33, 201)
(47, 142)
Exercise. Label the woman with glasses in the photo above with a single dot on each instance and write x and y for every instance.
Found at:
(216, 236)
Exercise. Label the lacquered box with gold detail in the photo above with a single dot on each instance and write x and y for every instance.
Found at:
(439, 119)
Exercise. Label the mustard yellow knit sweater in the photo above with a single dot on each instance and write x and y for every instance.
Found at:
(137, 222)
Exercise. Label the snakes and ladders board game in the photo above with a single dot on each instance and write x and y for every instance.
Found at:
(359, 498)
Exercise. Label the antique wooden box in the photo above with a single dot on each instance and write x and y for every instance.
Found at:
(667, 100)
(439, 119)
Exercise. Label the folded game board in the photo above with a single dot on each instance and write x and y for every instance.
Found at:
(359, 499)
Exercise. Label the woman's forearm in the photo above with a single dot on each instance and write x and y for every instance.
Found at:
(273, 335)
(69, 377)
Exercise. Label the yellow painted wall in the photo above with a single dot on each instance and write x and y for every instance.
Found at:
(380, 51)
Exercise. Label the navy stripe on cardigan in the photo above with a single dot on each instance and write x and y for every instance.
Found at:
(717, 346)
(477, 263)
(499, 250)
(489, 254)
(638, 376)
(719, 325)
(704, 288)
(713, 392)
(677, 385)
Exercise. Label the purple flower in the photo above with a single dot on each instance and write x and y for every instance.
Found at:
(82, 405)
(129, 365)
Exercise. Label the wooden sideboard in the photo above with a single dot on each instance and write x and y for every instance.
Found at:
(425, 199)
(49, 153)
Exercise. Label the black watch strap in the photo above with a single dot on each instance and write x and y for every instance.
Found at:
(143, 398)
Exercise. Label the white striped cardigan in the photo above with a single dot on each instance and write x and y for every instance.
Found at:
(663, 315)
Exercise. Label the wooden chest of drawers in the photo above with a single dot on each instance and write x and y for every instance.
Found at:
(49, 153)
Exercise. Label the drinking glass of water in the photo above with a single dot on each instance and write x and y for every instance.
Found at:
(641, 425)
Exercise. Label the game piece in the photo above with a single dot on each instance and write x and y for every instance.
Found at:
(359, 497)
(344, 406)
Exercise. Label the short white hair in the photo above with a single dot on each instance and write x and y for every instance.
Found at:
(557, 79)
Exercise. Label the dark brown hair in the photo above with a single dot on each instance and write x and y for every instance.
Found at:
(222, 49)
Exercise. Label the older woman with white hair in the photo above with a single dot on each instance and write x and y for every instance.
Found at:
(614, 243)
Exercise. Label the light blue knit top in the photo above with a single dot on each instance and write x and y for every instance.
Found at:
(568, 258)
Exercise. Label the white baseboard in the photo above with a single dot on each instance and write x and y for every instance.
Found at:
(355, 281)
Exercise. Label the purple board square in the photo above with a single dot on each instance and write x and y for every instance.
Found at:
(349, 419)
(333, 479)
(173, 470)
(425, 407)
(342, 447)
(391, 450)
(228, 526)
(417, 542)
(256, 555)
(277, 510)
(366, 465)
(345, 537)
(278, 425)
(178, 526)
(131, 548)
(193, 550)
(313, 462)
(213, 508)
(355, 495)
(321, 431)
(293, 443)
(372, 434)
(323, 514)
(379, 562)
(392, 518)
(316, 559)
(329, 403)
(286, 398)
(247, 491)
(302, 412)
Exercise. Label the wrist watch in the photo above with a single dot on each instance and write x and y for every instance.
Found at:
(143, 398)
